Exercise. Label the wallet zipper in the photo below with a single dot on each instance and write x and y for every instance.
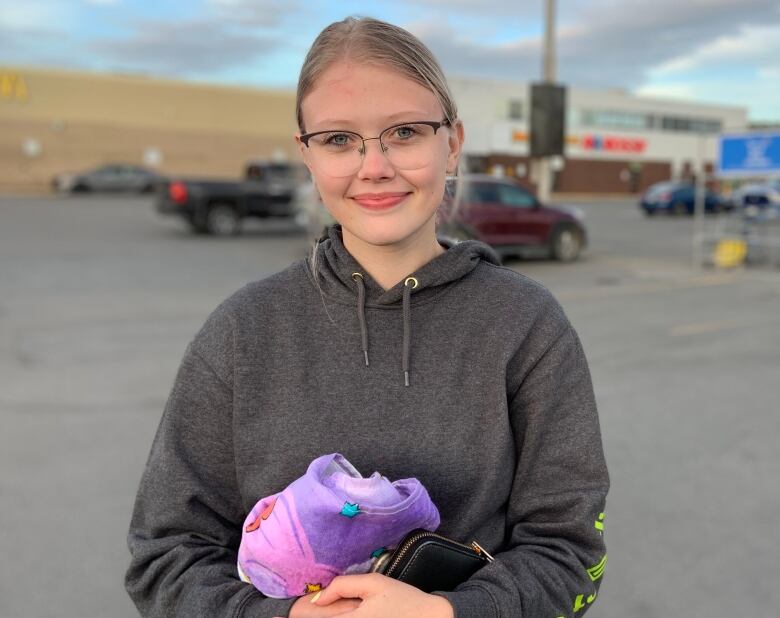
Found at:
(473, 547)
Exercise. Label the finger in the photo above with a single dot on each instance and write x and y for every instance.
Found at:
(349, 587)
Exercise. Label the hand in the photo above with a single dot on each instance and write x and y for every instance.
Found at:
(303, 608)
(383, 597)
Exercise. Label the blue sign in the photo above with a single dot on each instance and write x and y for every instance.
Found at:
(749, 154)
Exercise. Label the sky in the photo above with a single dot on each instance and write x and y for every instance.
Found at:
(712, 51)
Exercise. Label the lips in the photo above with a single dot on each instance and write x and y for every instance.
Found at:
(379, 201)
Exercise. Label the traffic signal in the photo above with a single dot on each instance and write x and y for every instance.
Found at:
(548, 120)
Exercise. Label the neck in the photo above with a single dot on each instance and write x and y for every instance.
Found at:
(390, 264)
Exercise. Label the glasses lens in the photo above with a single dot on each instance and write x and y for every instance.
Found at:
(337, 153)
(409, 146)
(340, 153)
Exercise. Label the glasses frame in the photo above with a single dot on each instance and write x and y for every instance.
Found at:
(431, 123)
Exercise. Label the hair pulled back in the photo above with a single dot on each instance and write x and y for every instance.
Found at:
(370, 40)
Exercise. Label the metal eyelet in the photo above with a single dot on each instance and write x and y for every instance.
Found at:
(356, 275)
(412, 279)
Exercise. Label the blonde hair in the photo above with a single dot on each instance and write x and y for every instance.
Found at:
(370, 40)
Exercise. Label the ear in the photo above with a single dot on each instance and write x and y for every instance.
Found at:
(455, 142)
(302, 150)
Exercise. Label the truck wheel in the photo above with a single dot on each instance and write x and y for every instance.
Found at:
(565, 244)
(223, 220)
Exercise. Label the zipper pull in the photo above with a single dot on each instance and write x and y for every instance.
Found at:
(482, 551)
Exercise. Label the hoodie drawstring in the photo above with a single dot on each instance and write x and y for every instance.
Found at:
(407, 324)
(409, 284)
(361, 311)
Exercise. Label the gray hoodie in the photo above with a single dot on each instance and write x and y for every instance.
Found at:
(498, 421)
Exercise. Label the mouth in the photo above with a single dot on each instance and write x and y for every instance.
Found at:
(379, 201)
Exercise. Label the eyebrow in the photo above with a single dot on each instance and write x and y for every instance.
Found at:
(397, 117)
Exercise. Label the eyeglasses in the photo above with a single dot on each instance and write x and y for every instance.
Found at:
(408, 146)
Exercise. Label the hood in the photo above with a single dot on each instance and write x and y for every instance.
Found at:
(339, 276)
(336, 267)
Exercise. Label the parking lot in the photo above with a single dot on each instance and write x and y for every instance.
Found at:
(99, 297)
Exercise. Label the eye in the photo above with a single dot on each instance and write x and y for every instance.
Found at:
(338, 139)
(405, 132)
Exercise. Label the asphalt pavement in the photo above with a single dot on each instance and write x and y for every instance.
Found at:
(99, 297)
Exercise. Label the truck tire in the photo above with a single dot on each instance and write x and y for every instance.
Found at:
(223, 220)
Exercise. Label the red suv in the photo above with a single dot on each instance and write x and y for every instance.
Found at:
(501, 213)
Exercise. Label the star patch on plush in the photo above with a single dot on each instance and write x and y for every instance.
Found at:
(350, 510)
(378, 552)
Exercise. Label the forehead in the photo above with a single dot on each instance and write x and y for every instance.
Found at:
(368, 96)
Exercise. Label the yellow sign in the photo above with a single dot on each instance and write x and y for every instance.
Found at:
(730, 252)
(12, 87)
(522, 136)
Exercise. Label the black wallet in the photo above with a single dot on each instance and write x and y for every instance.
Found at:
(430, 561)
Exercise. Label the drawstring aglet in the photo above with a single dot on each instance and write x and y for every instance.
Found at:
(366, 353)
(406, 378)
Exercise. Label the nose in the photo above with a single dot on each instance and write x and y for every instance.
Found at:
(374, 162)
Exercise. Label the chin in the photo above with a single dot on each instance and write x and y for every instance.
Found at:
(382, 234)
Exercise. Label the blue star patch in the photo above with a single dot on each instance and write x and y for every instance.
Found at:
(350, 510)
(378, 552)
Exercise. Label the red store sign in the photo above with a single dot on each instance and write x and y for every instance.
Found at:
(614, 144)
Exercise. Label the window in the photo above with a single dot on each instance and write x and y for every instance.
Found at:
(509, 195)
(615, 119)
(483, 193)
(694, 125)
(515, 109)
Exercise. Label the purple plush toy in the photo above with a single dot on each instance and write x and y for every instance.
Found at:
(328, 522)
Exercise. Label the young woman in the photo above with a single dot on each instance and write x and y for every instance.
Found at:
(408, 354)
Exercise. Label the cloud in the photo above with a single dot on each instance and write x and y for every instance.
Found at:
(191, 48)
(251, 13)
(505, 8)
(752, 44)
(602, 43)
(35, 16)
(770, 73)
(667, 91)
(35, 32)
(227, 34)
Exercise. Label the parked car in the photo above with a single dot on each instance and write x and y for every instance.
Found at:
(215, 206)
(757, 196)
(509, 218)
(115, 177)
(678, 198)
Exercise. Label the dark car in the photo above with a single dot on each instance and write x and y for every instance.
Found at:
(510, 219)
(218, 206)
(678, 198)
(110, 179)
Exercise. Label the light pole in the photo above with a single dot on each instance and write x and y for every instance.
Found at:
(548, 76)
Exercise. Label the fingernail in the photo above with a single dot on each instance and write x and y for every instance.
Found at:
(316, 596)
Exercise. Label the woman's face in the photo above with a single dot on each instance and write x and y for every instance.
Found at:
(379, 204)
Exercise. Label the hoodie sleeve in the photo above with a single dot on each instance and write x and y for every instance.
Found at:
(186, 525)
(554, 560)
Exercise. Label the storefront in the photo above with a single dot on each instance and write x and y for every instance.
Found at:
(615, 142)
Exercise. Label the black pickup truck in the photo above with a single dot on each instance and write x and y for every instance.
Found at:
(219, 206)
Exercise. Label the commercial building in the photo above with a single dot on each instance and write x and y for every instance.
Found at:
(55, 121)
(615, 142)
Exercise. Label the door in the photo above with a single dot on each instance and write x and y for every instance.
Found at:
(482, 210)
(526, 222)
